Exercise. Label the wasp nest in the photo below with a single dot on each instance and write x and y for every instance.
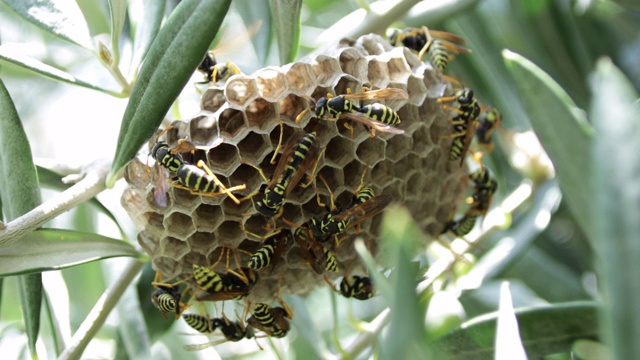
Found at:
(239, 124)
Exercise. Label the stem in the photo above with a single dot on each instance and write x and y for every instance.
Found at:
(91, 185)
(117, 74)
(365, 338)
(99, 313)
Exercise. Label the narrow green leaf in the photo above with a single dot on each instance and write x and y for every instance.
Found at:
(257, 14)
(406, 331)
(436, 11)
(118, 10)
(20, 193)
(286, 23)
(40, 68)
(53, 249)
(617, 204)
(508, 342)
(591, 350)
(563, 131)
(172, 58)
(61, 18)
(544, 330)
(146, 27)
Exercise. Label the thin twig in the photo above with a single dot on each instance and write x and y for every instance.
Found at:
(99, 313)
(91, 185)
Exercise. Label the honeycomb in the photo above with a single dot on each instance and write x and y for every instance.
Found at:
(239, 124)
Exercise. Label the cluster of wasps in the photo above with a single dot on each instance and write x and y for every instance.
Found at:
(299, 155)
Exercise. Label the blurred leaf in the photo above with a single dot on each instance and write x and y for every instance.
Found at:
(172, 58)
(20, 193)
(61, 18)
(617, 204)
(563, 131)
(436, 11)
(286, 23)
(508, 342)
(257, 13)
(146, 29)
(591, 350)
(52, 180)
(629, 4)
(544, 330)
(406, 331)
(53, 249)
(118, 11)
(309, 341)
(31, 64)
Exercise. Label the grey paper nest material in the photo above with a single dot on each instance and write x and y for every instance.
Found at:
(239, 124)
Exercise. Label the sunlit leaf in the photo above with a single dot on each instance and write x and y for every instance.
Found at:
(544, 330)
(20, 193)
(508, 342)
(61, 18)
(563, 131)
(257, 13)
(617, 203)
(172, 58)
(53, 249)
(146, 28)
(31, 64)
(118, 10)
(286, 23)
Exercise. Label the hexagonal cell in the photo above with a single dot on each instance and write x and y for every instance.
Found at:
(347, 82)
(254, 147)
(436, 86)
(240, 90)
(399, 70)
(183, 199)
(373, 44)
(168, 266)
(382, 173)
(397, 189)
(212, 99)
(158, 195)
(417, 90)
(154, 220)
(413, 61)
(292, 213)
(334, 178)
(299, 194)
(325, 70)
(325, 129)
(398, 147)
(201, 242)
(416, 183)
(300, 78)
(177, 131)
(148, 242)
(261, 116)
(421, 140)
(229, 234)
(179, 225)
(256, 225)
(232, 123)
(371, 150)
(378, 73)
(353, 172)
(354, 63)
(136, 174)
(207, 217)
(291, 106)
(173, 248)
(204, 129)
(233, 211)
(339, 151)
(272, 84)
(222, 157)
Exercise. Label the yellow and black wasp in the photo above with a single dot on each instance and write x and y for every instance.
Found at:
(375, 117)
(271, 249)
(215, 72)
(231, 330)
(273, 321)
(319, 257)
(464, 122)
(167, 297)
(232, 284)
(359, 287)
(198, 180)
(299, 154)
(489, 120)
(200, 323)
(441, 46)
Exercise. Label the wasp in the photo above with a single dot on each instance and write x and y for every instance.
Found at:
(359, 287)
(489, 120)
(233, 284)
(231, 330)
(463, 124)
(215, 72)
(464, 225)
(376, 117)
(319, 257)
(269, 253)
(200, 323)
(440, 45)
(167, 297)
(297, 157)
(485, 187)
(272, 320)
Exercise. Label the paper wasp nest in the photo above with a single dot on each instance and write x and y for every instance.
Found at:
(239, 124)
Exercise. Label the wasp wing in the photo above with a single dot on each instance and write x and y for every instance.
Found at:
(374, 124)
(379, 94)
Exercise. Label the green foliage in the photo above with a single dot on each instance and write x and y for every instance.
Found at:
(552, 81)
